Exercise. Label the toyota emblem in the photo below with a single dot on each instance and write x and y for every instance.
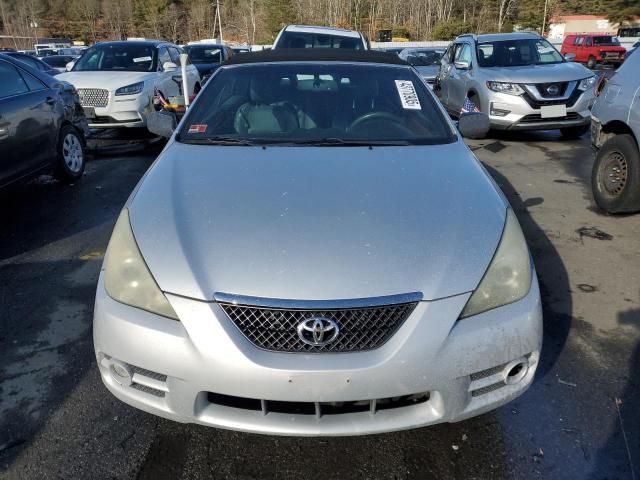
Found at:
(318, 331)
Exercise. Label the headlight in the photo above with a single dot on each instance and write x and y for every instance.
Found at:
(127, 278)
(132, 89)
(508, 278)
(502, 87)
(587, 83)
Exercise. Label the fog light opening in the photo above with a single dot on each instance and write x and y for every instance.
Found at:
(498, 112)
(516, 371)
(120, 372)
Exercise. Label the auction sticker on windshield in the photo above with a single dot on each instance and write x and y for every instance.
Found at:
(408, 95)
(141, 59)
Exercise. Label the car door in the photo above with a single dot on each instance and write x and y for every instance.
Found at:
(459, 77)
(27, 134)
(168, 81)
(192, 70)
(442, 82)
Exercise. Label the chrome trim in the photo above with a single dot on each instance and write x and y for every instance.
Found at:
(532, 89)
(221, 297)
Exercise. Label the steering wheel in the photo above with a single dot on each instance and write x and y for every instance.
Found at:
(379, 116)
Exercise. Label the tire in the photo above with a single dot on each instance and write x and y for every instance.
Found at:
(615, 178)
(592, 62)
(574, 132)
(71, 156)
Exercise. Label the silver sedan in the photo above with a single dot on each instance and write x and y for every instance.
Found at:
(317, 252)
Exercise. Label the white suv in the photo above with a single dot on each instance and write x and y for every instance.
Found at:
(116, 80)
(307, 36)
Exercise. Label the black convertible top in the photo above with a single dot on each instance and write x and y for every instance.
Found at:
(315, 55)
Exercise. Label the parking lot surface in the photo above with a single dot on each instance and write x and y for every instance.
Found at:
(579, 419)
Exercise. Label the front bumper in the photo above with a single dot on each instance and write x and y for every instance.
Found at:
(522, 116)
(180, 369)
(126, 111)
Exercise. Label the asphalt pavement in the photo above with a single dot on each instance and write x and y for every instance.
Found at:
(580, 419)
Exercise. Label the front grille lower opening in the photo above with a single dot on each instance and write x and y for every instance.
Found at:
(317, 408)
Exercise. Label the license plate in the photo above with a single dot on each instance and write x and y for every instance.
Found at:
(612, 55)
(553, 111)
(89, 112)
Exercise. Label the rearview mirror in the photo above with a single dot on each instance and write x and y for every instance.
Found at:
(69, 66)
(462, 65)
(169, 66)
(570, 57)
(474, 125)
(161, 123)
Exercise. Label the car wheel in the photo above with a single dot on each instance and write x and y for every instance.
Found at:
(574, 132)
(592, 62)
(71, 155)
(615, 178)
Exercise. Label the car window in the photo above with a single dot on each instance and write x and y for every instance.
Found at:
(11, 82)
(204, 54)
(424, 58)
(589, 43)
(163, 56)
(314, 40)
(308, 102)
(514, 53)
(129, 56)
(27, 60)
(57, 61)
(174, 53)
(448, 55)
(463, 53)
(32, 82)
(579, 41)
(606, 40)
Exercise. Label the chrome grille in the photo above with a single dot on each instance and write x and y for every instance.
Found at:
(360, 329)
(93, 97)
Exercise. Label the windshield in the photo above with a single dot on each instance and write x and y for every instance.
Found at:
(316, 103)
(606, 40)
(313, 40)
(423, 58)
(118, 57)
(201, 54)
(517, 53)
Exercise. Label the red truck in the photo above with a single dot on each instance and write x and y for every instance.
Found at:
(594, 48)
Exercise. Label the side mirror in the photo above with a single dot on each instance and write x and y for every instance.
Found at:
(474, 125)
(169, 66)
(570, 57)
(462, 65)
(69, 66)
(161, 123)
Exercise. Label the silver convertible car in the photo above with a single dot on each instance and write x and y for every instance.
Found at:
(317, 252)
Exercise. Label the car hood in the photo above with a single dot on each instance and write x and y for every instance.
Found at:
(317, 223)
(428, 71)
(108, 80)
(556, 72)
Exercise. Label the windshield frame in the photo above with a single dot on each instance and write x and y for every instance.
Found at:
(87, 53)
(560, 60)
(181, 132)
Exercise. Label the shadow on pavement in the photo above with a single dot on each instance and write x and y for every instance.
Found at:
(555, 288)
(624, 441)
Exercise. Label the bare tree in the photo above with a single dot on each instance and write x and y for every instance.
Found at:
(505, 10)
(88, 12)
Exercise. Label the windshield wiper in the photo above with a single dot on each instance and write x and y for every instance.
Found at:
(341, 142)
(217, 141)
